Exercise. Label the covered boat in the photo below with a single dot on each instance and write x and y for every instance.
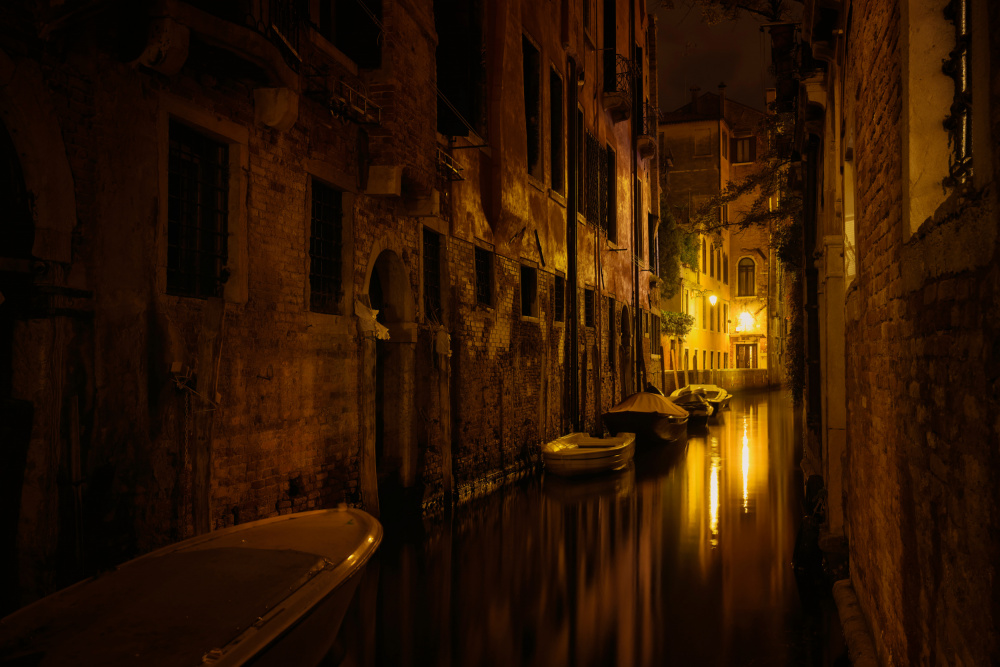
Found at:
(583, 454)
(694, 401)
(716, 396)
(271, 592)
(652, 417)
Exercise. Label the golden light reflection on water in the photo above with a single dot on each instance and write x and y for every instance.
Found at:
(746, 464)
(675, 560)
(713, 500)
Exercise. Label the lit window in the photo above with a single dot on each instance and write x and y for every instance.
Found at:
(744, 149)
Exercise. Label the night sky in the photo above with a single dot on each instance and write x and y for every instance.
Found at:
(691, 53)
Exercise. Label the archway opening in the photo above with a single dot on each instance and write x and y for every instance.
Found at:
(389, 294)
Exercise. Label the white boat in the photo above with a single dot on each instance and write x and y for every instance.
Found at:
(716, 396)
(271, 592)
(583, 454)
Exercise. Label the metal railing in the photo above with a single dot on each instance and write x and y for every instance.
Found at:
(280, 21)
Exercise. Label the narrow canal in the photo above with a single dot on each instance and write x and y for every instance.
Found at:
(684, 558)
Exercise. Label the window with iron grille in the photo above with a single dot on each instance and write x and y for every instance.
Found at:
(588, 307)
(197, 214)
(611, 333)
(484, 276)
(432, 275)
(657, 344)
(559, 296)
(610, 190)
(325, 246)
(529, 291)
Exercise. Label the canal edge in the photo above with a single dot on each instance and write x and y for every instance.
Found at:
(860, 644)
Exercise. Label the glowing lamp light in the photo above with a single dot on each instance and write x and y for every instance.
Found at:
(745, 322)
(712, 299)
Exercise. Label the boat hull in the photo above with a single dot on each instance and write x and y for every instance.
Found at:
(648, 427)
(269, 592)
(566, 457)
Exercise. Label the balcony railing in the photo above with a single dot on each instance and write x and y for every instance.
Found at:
(619, 73)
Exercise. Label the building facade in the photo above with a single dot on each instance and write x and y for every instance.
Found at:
(732, 286)
(264, 257)
(897, 126)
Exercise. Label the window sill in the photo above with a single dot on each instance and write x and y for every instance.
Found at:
(536, 183)
(557, 197)
(530, 318)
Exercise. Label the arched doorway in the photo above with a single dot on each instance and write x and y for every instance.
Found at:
(390, 363)
(625, 353)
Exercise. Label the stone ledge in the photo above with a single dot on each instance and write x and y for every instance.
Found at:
(860, 645)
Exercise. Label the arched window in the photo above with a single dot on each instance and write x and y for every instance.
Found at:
(746, 285)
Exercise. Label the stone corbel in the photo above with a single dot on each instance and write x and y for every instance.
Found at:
(166, 47)
(276, 107)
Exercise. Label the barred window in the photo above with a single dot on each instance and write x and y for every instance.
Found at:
(197, 214)
(432, 275)
(560, 299)
(657, 344)
(588, 307)
(325, 245)
(484, 276)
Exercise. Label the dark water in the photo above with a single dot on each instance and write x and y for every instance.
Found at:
(685, 558)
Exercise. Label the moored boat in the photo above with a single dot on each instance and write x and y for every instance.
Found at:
(652, 417)
(582, 454)
(695, 403)
(716, 396)
(273, 591)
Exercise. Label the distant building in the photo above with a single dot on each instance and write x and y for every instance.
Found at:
(262, 257)
(707, 143)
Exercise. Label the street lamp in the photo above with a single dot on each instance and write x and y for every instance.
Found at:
(712, 299)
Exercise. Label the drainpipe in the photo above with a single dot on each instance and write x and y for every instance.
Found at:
(572, 199)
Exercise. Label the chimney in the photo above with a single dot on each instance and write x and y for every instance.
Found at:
(694, 93)
(722, 99)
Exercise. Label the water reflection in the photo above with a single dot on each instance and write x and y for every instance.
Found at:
(682, 558)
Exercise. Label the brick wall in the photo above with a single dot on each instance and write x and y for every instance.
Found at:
(922, 364)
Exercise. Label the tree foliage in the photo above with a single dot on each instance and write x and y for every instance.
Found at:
(676, 325)
(678, 246)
